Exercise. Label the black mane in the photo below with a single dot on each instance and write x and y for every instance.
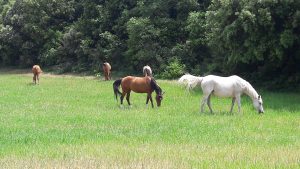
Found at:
(155, 86)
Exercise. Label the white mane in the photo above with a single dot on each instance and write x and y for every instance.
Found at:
(248, 89)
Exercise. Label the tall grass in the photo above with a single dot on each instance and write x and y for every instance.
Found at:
(76, 122)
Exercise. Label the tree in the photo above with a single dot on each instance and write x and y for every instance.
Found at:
(256, 38)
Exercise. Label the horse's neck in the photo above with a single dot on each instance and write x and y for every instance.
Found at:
(155, 86)
(157, 89)
(250, 91)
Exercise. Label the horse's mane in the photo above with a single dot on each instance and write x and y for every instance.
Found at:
(155, 86)
(249, 90)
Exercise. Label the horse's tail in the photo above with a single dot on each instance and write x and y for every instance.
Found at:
(147, 72)
(116, 85)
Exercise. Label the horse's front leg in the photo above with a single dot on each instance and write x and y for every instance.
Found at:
(106, 75)
(147, 100)
(150, 97)
(232, 104)
(38, 78)
(204, 100)
(238, 100)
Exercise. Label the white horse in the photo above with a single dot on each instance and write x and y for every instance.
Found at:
(147, 71)
(232, 86)
(189, 81)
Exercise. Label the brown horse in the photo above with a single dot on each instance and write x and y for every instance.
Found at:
(36, 70)
(145, 84)
(106, 69)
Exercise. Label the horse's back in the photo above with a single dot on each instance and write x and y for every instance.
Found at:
(136, 84)
(221, 79)
(222, 86)
(36, 69)
(106, 66)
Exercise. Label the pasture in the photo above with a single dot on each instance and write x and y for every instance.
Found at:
(75, 122)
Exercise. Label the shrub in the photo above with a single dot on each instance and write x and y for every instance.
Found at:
(173, 70)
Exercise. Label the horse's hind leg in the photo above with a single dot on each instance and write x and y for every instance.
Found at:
(33, 79)
(208, 103)
(122, 97)
(127, 98)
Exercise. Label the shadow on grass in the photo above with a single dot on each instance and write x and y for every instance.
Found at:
(30, 84)
(219, 113)
(282, 102)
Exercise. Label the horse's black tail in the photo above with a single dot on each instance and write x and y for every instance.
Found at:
(116, 85)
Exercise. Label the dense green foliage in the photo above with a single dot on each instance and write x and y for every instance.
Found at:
(75, 122)
(258, 40)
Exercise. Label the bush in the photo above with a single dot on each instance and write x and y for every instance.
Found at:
(174, 70)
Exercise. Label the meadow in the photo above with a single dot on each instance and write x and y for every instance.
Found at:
(75, 122)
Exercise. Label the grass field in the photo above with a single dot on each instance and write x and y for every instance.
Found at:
(75, 122)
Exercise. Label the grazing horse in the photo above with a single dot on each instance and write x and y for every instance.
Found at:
(36, 70)
(139, 85)
(107, 70)
(189, 80)
(232, 86)
(147, 71)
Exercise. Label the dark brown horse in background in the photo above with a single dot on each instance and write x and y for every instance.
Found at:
(139, 85)
(107, 70)
(36, 70)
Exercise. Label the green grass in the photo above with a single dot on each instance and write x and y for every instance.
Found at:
(75, 122)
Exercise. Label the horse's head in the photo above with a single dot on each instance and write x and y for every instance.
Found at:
(159, 98)
(258, 104)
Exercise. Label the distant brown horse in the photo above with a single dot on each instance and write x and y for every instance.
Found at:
(139, 85)
(106, 69)
(36, 70)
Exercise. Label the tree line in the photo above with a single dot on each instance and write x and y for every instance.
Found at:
(258, 40)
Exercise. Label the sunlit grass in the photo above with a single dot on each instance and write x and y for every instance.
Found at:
(76, 122)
